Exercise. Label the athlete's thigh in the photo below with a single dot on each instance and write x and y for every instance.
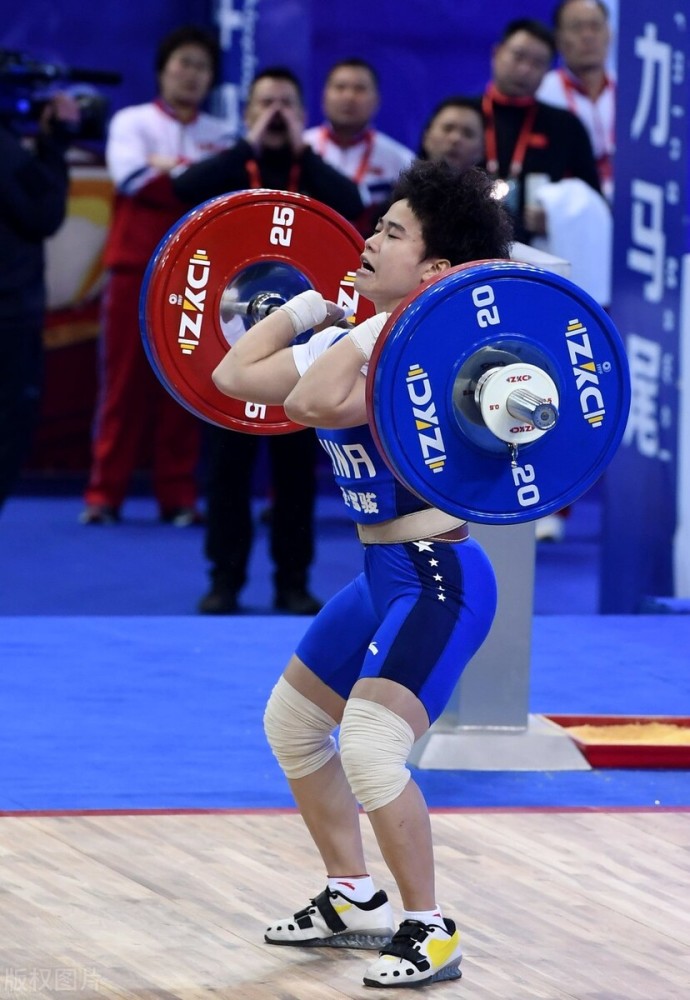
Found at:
(436, 604)
(335, 643)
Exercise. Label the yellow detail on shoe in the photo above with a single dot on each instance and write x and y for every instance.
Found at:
(440, 951)
(342, 909)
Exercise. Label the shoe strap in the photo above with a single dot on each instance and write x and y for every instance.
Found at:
(405, 941)
(323, 904)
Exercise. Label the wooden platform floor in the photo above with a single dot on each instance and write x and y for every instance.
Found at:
(559, 906)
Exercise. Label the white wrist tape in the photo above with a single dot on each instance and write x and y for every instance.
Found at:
(365, 335)
(306, 310)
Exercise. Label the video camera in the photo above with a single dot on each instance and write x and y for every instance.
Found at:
(26, 85)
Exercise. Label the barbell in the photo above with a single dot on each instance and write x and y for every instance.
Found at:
(498, 392)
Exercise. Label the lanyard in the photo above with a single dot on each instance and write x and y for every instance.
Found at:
(605, 138)
(326, 135)
(252, 168)
(523, 140)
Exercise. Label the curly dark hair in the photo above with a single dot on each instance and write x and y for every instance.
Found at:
(460, 218)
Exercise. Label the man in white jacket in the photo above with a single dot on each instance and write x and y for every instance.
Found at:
(583, 83)
(348, 140)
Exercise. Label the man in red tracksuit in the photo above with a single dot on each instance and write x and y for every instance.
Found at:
(146, 144)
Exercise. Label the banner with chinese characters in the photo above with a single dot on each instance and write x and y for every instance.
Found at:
(652, 196)
(254, 34)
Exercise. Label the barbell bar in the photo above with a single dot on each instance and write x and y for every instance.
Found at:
(497, 391)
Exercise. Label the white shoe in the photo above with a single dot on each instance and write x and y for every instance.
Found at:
(419, 954)
(550, 528)
(333, 921)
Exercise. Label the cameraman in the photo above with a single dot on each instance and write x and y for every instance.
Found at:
(33, 199)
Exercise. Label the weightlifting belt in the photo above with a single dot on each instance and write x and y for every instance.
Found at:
(427, 523)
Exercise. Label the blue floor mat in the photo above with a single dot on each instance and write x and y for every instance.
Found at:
(165, 712)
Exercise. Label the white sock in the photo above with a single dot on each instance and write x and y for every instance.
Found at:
(359, 888)
(425, 916)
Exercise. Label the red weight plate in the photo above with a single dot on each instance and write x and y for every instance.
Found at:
(209, 251)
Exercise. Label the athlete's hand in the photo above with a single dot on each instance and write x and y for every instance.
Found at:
(310, 311)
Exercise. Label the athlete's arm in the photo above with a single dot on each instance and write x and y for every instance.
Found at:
(261, 366)
(331, 392)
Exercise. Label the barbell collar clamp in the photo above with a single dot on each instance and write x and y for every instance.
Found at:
(262, 305)
(258, 307)
(525, 405)
(512, 412)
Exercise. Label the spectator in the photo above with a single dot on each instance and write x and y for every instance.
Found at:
(33, 199)
(583, 84)
(145, 144)
(525, 138)
(349, 141)
(454, 133)
(544, 156)
(273, 154)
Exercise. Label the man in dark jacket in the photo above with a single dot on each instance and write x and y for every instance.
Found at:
(33, 199)
(526, 139)
(273, 154)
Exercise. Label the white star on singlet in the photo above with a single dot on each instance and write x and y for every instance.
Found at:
(424, 546)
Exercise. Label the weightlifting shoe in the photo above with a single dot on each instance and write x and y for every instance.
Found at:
(333, 921)
(296, 601)
(96, 513)
(419, 954)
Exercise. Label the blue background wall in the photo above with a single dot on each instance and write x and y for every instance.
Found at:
(423, 52)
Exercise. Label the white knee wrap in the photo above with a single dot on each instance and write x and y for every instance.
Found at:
(298, 731)
(374, 746)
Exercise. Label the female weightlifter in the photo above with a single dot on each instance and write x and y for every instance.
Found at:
(383, 656)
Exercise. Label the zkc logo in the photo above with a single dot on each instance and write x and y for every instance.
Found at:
(193, 301)
(426, 419)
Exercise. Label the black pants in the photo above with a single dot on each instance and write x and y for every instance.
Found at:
(21, 370)
(231, 457)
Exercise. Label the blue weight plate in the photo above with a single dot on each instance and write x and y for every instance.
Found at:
(420, 391)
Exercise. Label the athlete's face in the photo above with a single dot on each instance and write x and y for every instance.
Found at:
(395, 261)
